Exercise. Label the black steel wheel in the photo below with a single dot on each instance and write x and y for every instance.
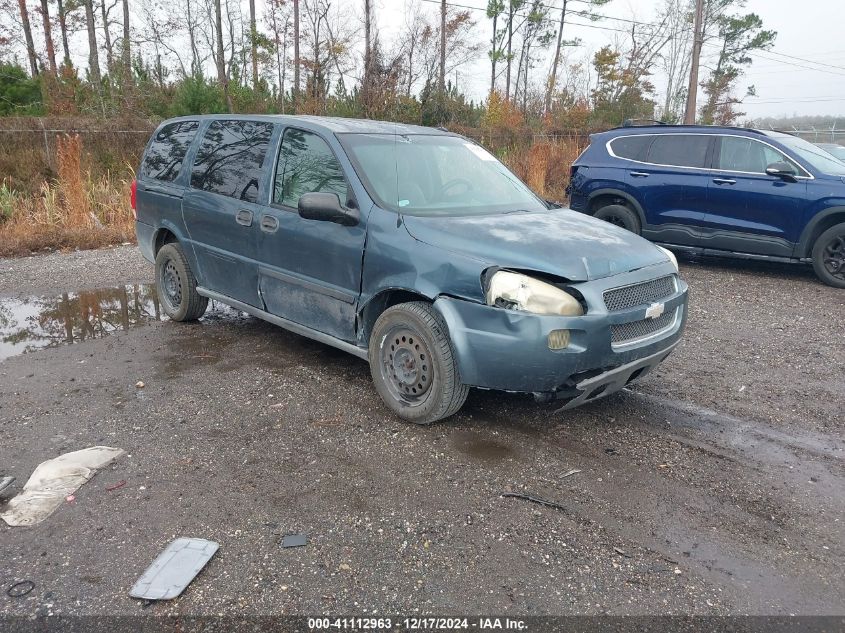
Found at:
(413, 365)
(829, 256)
(177, 285)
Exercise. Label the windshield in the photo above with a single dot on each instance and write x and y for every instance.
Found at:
(436, 175)
(814, 155)
(837, 151)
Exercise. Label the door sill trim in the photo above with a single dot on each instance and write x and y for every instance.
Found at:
(296, 328)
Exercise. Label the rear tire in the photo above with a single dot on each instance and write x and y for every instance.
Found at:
(177, 285)
(413, 366)
(829, 256)
(620, 216)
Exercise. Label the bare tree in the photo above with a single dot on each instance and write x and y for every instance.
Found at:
(220, 56)
(93, 58)
(125, 53)
(277, 19)
(676, 57)
(296, 60)
(253, 44)
(48, 36)
(27, 32)
(63, 28)
(442, 78)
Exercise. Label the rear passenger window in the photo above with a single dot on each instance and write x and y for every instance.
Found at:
(163, 161)
(631, 147)
(306, 164)
(229, 158)
(679, 150)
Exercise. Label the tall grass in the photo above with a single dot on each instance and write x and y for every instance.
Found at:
(72, 211)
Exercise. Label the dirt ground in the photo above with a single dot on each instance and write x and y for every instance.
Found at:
(714, 486)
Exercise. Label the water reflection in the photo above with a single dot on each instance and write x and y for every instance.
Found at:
(38, 322)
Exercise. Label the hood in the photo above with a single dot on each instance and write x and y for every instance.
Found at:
(559, 242)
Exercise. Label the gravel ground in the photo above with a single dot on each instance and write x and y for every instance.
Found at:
(714, 486)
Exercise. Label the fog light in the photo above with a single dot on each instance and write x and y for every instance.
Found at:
(558, 339)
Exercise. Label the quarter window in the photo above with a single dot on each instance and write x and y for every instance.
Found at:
(163, 160)
(679, 150)
(631, 147)
(737, 153)
(306, 164)
(229, 158)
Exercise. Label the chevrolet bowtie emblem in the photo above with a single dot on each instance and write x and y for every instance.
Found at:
(654, 310)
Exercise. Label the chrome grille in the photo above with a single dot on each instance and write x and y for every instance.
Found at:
(635, 330)
(639, 294)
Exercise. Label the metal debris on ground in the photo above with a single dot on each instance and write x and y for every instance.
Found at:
(55, 481)
(20, 589)
(294, 540)
(542, 502)
(174, 569)
(5, 482)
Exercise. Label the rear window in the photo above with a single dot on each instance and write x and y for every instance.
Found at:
(163, 161)
(679, 150)
(631, 147)
(229, 158)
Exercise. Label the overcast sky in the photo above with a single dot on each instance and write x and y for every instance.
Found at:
(811, 30)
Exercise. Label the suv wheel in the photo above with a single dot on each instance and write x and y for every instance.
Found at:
(829, 256)
(620, 216)
(412, 364)
(177, 286)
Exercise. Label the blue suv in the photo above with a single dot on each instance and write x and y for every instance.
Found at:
(719, 191)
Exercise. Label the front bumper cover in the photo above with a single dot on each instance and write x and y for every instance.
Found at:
(508, 350)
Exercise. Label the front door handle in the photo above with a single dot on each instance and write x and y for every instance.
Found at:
(724, 181)
(244, 217)
(639, 174)
(269, 224)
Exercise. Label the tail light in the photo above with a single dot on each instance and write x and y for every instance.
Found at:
(133, 195)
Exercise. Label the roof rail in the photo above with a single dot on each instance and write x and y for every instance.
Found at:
(638, 122)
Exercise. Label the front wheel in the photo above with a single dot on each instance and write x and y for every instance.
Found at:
(413, 366)
(829, 256)
(177, 285)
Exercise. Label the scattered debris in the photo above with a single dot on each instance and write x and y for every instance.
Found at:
(116, 486)
(542, 502)
(610, 450)
(139, 384)
(294, 540)
(53, 481)
(70, 498)
(621, 552)
(663, 466)
(5, 482)
(344, 567)
(574, 471)
(20, 589)
(174, 569)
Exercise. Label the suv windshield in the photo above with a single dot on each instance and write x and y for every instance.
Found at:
(814, 155)
(436, 175)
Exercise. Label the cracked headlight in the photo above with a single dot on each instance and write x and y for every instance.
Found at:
(671, 257)
(520, 292)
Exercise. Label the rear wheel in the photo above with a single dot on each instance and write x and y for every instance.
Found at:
(829, 256)
(412, 364)
(177, 285)
(620, 216)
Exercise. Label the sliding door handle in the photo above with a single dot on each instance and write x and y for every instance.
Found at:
(269, 223)
(244, 217)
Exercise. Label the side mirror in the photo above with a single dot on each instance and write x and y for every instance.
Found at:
(326, 207)
(782, 170)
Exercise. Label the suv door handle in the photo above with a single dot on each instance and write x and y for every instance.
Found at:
(244, 217)
(639, 174)
(724, 181)
(269, 224)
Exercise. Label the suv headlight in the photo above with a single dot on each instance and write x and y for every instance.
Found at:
(520, 292)
(671, 256)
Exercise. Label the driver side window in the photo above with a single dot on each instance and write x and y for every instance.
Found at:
(745, 154)
(306, 164)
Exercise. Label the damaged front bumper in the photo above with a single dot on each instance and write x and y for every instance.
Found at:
(509, 350)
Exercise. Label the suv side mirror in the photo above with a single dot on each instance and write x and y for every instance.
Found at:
(326, 207)
(782, 170)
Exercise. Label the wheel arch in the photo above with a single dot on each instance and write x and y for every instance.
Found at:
(817, 225)
(603, 197)
(369, 313)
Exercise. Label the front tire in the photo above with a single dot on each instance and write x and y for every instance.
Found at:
(413, 366)
(829, 256)
(620, 216)
(177, 285)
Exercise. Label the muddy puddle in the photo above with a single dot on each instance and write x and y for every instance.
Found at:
(33, 323)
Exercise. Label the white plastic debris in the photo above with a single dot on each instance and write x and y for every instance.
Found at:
(55, 480)
(174, 569)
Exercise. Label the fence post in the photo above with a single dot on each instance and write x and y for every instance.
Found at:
(47, 156)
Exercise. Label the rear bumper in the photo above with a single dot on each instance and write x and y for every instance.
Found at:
(508, 350)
